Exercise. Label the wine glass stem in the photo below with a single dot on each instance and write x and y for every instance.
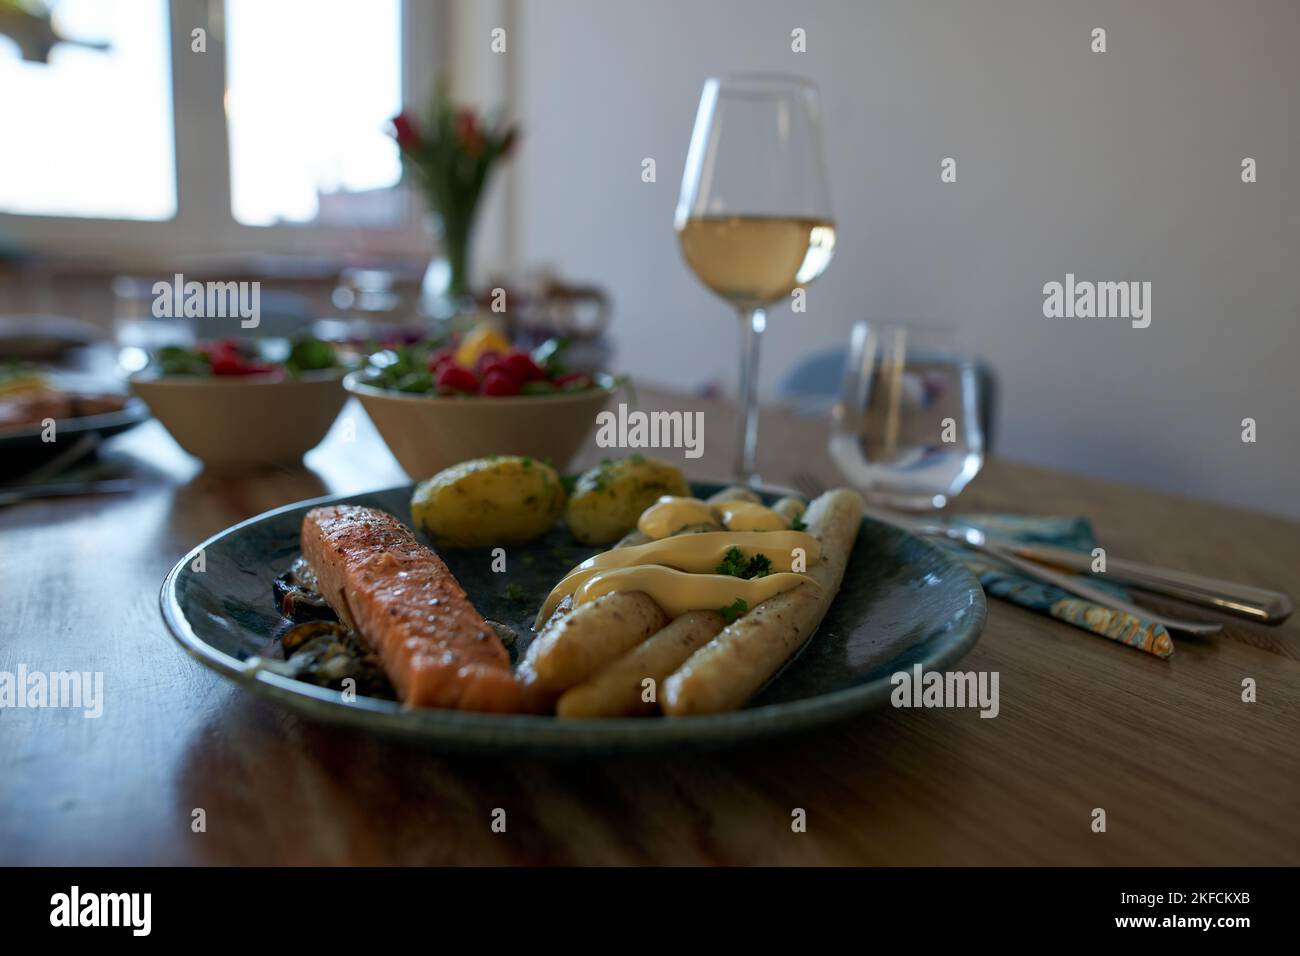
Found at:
(753, 322)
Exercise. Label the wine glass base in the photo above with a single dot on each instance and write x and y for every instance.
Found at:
(906, 501)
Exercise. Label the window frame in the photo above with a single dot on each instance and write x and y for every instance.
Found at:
(204, 224)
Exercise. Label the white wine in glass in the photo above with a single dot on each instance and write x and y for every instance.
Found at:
(752, 261)
(754, 217)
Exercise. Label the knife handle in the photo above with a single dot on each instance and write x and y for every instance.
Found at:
(1254, 604)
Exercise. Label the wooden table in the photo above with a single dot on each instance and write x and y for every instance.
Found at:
(1187, 772)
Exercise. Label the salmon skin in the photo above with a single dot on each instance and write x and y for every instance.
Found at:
(435, 647)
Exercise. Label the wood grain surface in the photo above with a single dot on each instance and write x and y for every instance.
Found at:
(1187, 772)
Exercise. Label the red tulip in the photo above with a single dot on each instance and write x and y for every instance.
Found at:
(468, 132)
(406, 134)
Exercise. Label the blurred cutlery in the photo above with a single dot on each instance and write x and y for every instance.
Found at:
(69, 456)
(1008, 553)
(977, 541)
(1242, 600)
(12, 496)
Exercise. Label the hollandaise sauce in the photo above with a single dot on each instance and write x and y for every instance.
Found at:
(748, 516)
(680, 591)
(684, 572)
(695, 553)
(671, 514)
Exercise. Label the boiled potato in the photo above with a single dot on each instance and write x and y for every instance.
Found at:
(488, 502)
(608, 500)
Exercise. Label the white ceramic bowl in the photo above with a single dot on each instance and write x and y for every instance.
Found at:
(242, 421)
(427, 433)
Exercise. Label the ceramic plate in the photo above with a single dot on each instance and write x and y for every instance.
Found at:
(22, 448)
(904, 602)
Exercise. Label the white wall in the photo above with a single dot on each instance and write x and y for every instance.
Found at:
(1115, 166)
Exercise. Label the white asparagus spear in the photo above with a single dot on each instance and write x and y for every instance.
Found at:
(589, 637)
(790, 508)
(618, 690)
(573, 646)
(727, 671)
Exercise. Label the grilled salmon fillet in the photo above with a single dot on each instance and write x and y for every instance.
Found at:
(436, 649)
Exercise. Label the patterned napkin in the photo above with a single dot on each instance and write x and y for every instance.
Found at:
(1004, 582)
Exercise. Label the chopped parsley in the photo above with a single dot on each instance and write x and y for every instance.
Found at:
(797, 523)
(733, 563)
(515, 594)
(733, 610)
(737, 565)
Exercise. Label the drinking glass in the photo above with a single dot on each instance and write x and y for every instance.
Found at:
(753, 217)
(907, 426)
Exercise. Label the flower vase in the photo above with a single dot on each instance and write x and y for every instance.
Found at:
(446, 291)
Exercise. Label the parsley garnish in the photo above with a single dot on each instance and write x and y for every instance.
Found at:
(735, 564)
(733, 610)
(515, 594)
(797, 523)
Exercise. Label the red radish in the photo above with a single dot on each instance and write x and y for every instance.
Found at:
(229, 363)
(439, 359)
(486, 361)
(495, 365)
(460, 379)
(573, 381)
(499, 382)
(521, 365)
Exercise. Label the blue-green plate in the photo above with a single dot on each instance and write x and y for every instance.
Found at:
(23, 448)
(903, 602)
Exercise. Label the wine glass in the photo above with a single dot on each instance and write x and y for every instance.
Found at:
(907, 428)
(753, 217)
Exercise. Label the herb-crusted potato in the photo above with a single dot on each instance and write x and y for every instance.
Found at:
(488, 502)
(608, 500)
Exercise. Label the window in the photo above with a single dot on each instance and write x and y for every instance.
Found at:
(117, 134)
(87, 123)
(310, 88)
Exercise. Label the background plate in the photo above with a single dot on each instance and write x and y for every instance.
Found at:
(21, 448)
(904, 602)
